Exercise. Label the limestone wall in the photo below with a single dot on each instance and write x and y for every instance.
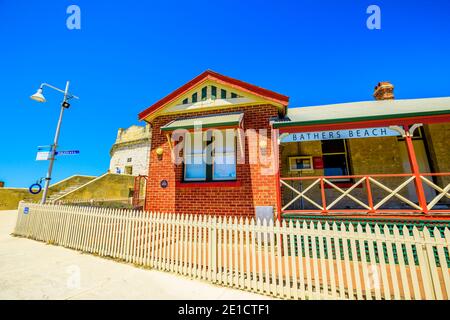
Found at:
(131, 149)
(10, 197)
(438, 137)
(109, 186)
(139, 154)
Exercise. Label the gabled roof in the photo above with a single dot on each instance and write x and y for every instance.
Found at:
(219, 78)
(364, 111)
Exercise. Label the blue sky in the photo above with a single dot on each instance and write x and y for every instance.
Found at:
(128, 54)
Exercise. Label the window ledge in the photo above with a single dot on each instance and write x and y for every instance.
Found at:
(209, 184)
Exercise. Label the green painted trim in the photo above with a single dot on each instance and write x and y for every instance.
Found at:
(370, 219)
(208, 125)
(358, 119)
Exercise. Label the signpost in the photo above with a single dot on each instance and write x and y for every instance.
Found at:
(46, 155)
(43, 155)
(67, 153)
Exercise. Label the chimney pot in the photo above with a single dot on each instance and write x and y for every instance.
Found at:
(384, 91)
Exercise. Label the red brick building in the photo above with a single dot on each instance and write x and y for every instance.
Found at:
(222, 103)
(224, 146)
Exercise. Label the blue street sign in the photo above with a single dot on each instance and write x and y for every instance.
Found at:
(67, 153)
(25, 210)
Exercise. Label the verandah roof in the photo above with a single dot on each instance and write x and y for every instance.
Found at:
(364, 111)
(214, 121)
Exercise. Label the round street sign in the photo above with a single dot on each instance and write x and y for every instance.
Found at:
(35, 188)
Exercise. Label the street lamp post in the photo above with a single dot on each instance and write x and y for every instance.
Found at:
(38, 96)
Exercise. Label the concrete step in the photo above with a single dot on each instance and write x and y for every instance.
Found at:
(64, 191)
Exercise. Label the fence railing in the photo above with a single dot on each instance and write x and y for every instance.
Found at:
(287, 260)
(369, 194)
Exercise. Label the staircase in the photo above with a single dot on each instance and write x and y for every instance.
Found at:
(63, 192)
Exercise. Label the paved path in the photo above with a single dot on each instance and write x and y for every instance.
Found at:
(34, 270)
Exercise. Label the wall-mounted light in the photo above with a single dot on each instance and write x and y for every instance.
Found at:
(159, 151)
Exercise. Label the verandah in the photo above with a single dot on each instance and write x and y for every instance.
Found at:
(324, 196)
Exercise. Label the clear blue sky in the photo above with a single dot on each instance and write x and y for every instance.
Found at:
(128, 54)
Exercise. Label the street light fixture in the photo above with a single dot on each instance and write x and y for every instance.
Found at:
(39, 96)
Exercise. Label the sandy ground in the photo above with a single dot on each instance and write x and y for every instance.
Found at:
(34, 270)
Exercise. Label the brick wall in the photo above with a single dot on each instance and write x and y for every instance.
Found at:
(256, 189)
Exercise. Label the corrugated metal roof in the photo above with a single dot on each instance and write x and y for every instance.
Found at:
(217, 120)
(364, 110)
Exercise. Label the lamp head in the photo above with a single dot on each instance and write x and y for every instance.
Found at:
(38, 96)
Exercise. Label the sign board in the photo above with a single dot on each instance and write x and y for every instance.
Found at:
(340, 134)
(67, 153)
(26, 210)
(43, 155)
(317, 162)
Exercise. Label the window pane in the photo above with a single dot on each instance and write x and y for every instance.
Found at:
(224, 166)
(335, 165)
(194, 98)
(213, 92)
(234, 95)
(194, 171)
(194, 161)
(223, 94)
(204, 93)
(186, 101)
(333, 146)
(224, 140)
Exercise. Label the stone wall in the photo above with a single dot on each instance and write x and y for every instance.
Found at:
(138, 152)
(438, 138)
(131, 144)
(10, 197)
(109, 186)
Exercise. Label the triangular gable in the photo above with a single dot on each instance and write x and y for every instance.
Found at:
(211, 90)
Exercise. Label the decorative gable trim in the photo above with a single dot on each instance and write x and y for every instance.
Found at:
(210, 78)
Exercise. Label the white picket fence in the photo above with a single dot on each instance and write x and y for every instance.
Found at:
(291, 260)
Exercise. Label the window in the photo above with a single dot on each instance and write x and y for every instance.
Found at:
(194, 161)
(213, 92)
(233, 95)
(129, 159)
(223, 94)
(301, 164)
(194, 97)
(335, 159)
(224, 164)
(204, 93)
(210, 156)
(185, 101)
(129, 170)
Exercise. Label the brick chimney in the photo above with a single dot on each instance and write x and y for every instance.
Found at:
(384, 91)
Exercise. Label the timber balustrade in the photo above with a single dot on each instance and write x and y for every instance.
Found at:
(289, 260)
(366, 194)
